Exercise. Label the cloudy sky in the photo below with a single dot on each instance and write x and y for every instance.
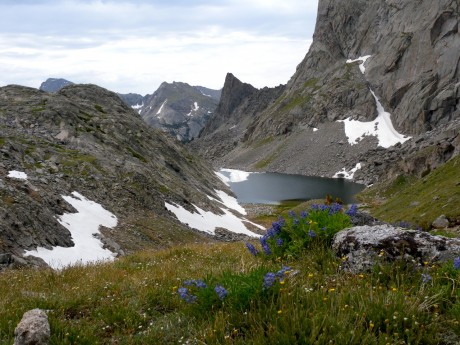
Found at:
(134, 45)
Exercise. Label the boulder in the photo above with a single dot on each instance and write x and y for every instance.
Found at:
(363, 246)
(33, 329)
(441, 222)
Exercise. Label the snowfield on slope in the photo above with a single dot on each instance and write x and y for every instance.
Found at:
(381, 127)
(82, 225)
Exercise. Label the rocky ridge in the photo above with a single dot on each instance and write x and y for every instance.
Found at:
(298, 131)
(85, 139)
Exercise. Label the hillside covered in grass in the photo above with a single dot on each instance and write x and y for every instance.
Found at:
(418, 200)
(288, 289)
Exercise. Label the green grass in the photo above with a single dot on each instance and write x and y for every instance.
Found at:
(418, 201)
(134, 301)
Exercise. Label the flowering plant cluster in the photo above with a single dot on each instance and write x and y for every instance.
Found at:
(288, 237)
(189, 293)
(270, 278)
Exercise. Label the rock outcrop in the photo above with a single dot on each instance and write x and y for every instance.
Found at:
(85, 139)
(413, 71)
(362, 247)
(34, 329)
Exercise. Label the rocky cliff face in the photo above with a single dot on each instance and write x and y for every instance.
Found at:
(85, 139)
(413, 70)
(179, 109)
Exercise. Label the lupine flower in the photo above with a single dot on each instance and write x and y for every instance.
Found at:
(352, 210)
(276, 227)
(457, 263)
(266, 248)
(296, 221)
(311, 234)
(269, 280)
(303, 214)
(279, 242)
(252, 249)
(426, 278)
(271, 233)
(221, 291)
(281, 221)
(315, 207)
(185, 295)
(281, 273)
(335, 208)
(198, 283)
(291, 214)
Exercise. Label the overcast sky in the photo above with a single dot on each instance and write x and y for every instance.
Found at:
(134, 45)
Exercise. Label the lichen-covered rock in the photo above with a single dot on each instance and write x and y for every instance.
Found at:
(363, 246)
(34, 329)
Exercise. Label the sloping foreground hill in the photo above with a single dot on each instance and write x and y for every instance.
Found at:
(84, 139)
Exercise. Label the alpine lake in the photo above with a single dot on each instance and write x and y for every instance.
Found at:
(277, 188)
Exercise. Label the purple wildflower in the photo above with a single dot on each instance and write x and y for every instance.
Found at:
(311, 234)
(296, 221)
(185, 295)
(252, 249)
(303, 214)
(280, 274)
(279, 242)
(352, 210)
(315, 207)
(221, 292)
(269, 280)
(426, 278)
(266, 248)
(335, 208)
(198, 283)
(291, 214)
(276, 227)
(281, 221)
(457, 263)
(271, 233)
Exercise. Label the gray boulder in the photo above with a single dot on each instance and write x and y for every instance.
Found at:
(363, 246)
(441, 222)
(33, 329)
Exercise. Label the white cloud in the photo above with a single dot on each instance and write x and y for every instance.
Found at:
(134, 46)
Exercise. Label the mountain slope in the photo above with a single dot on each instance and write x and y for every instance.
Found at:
(312, 126)
(85, 139)
(179, 109)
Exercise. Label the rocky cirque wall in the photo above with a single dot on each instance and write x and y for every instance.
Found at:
(413, 71)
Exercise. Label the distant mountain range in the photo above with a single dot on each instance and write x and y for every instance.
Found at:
(176, 108)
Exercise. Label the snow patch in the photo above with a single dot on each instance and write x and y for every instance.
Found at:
(208, 221)
(236, 175)
(363, 59)
(347, 174)
(381, 127)
(19, 175)
(161, 108)
(315, 129)
(196, 107)
(137, 106)
(223, 178)
(228, 201)
(82, 225)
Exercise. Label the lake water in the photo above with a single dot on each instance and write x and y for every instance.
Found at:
(273, 188)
